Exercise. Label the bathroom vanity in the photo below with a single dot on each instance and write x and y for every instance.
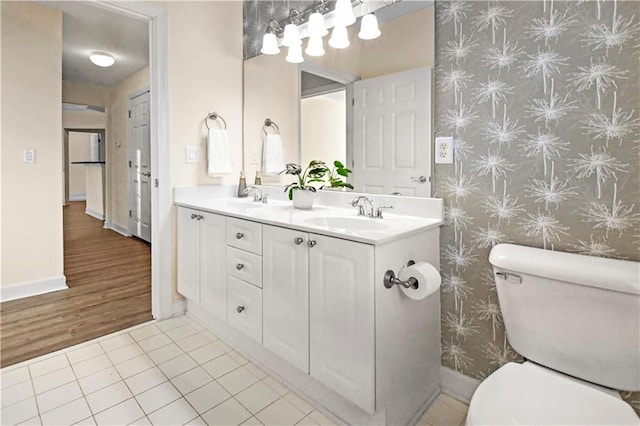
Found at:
(301, 292)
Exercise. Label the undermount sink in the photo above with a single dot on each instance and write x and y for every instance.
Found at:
(348, 223)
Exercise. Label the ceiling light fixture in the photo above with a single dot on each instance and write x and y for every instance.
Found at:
(102, 59)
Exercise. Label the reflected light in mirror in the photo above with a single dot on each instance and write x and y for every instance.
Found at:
(291, 36)
(314, 46)
(295, 54)
(317, 27)
(339, 37)
(369, 27)
(344, 13)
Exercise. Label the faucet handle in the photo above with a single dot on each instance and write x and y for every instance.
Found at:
(379, 211)
(265, 198)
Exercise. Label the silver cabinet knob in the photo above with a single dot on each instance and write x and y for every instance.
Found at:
(298, 240)
(193, 215)
(199, 217)
(312, 243)
(419, 179)
(239, 235)
(239, 266)
(240, 309)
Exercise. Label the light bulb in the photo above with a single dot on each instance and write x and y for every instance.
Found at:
(102, 59)
(369, 27)
(317, 26)
(295, 54)
(339, 37)
(314, 47)
(344, 13)
(291, 35)
(270, 44)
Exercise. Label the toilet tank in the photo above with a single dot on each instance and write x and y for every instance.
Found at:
(576, 314)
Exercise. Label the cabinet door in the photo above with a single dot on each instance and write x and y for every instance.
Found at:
(213, 276)
(245, 308)
(341, 286)
(285, 293)
(188, 254)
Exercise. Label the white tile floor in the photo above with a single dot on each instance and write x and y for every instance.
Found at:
(170, 372)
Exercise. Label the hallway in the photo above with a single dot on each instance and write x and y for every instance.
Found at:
(109, 279)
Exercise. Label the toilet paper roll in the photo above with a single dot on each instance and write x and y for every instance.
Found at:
(428, 280)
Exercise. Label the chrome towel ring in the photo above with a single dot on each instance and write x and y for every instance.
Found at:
(269, 123)
(214, 116)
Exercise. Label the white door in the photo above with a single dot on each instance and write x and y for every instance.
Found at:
(391, 134)
(213, 276)
(341, 299)
(285, 294)
(139, 167)
(188, 248)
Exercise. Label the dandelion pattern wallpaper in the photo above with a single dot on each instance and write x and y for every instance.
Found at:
(543, 100)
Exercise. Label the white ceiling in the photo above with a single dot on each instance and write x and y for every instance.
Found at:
(87, 28)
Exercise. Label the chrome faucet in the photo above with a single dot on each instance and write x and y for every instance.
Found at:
(257, 194)
(364, 204)
(378, 214)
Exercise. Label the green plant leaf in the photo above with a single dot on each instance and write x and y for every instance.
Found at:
(338, 164)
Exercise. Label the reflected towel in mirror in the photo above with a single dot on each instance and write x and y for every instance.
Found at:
(218, 152)
(272, 157)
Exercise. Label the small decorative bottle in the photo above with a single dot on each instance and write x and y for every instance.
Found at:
(258, 180)
(242, 186)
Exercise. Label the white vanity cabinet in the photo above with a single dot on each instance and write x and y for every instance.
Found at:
(342, 321)
(201, 249)
(285, 292)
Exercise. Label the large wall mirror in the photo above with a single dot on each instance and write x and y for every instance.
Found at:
(368, 106)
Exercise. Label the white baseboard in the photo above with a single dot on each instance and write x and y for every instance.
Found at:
(179, 307)
(457, 385)
(32, 288)
(78, 197)
(94, 213)
(115, 227)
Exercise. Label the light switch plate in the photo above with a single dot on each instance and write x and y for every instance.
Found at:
(192, 154)
(29, 156)
(444, 150)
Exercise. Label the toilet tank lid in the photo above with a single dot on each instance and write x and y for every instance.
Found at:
(609, 274)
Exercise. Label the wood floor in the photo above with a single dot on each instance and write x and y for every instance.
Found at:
(109, 279)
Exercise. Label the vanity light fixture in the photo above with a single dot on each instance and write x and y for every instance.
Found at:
(344, 13)
(314, 46)
(269, 40)
(102, 59)
(294, 54)
(369, 27)
(291, 35)
(339, 37)
(317, 27)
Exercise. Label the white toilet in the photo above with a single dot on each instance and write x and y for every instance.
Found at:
(576, 319)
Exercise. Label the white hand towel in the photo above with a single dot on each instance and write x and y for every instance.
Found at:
(218, 152)
(272, 158)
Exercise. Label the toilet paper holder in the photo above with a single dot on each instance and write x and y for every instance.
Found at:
(390, 279)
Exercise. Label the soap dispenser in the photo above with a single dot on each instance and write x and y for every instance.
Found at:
(242, 186)
(258, 180)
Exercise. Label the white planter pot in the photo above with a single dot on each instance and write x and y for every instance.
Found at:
(302, 199)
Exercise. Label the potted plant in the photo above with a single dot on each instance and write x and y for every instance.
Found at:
(301, 191)
(335, 177)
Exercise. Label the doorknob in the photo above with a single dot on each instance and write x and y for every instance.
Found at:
(147, 174)
(419, 179)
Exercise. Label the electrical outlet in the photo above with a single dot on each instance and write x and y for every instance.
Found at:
(444, 150)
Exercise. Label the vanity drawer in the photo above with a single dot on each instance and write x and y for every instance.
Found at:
(244, 307)
(244, 235)
(245, 266)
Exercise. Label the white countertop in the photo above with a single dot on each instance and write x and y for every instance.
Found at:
(282, 213)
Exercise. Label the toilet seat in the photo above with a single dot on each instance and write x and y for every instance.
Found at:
(525, 394)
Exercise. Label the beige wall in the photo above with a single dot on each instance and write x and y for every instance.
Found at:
(323, 128)
(83, 93)
(31, 208)
(276, 82)
(117, 138)
(205, 74)
(79, 150)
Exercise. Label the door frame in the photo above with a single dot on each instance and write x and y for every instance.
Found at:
(161, 208)
(65, 159)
